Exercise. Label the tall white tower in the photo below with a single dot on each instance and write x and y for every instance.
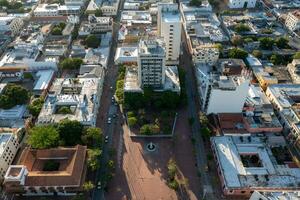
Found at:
(169, 28)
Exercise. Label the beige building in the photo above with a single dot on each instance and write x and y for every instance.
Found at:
(292, 21)
(294, 70)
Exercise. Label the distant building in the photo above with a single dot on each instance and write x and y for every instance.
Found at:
(57, 171)
(126, 55)
(224, 91)
(75, 2)
(9, 142)
(293, 195)
(78, 97)
(248, 163)
(96, 25)
(292, 21)
(10, 25)
(241, 3)
(206, 54)
(109, 7)
(294, 70)
(53, 10)
(169, 28)
(151, 63)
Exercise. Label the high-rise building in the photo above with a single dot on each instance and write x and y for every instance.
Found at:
(169, 28)
(151, 63)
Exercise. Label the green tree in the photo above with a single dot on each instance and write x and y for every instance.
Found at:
(93, 159)
(70, 131)
(237, 40)
(196, 3)
(13, 95)
(203, 119)
(132, 121)
(92, 136)
(92, 41)
(282, 42)
(257, 53)
(98, 13)
(172, 168)
(248, 40)
(88, 186)
(240, 27)
(43, 137)
(277, 59)
(297, 55)
(237, 53)
(266, 43)
(205, 132)
(71, 63)
(149, 129)
(64, 110)
(35, 107)
(56, 31)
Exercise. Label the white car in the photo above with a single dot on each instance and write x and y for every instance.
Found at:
(109, 120)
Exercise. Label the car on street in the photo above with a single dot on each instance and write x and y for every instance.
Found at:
(106, 139)
(99, 185)
(113, 99)
(109, 120)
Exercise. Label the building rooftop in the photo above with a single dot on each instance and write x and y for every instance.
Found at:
(70, 161)
(44, 78)
(248, 162)
(136, 17)
(131, 82)
(151, 46)
(286, 94)
(4, 138)
(78, 95)
(126, 54)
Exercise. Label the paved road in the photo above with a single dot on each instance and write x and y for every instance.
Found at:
(107, 108)
(186, 62)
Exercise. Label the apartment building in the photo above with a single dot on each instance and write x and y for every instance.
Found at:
(75, 99)
(224, 90)
(10, 25)
(292, 21)
(54, 10)
(241, 3)
(110, 7)
(75, 2)
(58, 171)
(294, 70)
(151, 63)
(9, 146)
(169, 28)
(206, 54)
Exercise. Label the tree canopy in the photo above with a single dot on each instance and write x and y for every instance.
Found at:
(282, 42)
(257, 53)
(266, 43)
(93, 159)
(92, 41)
(70, 131)
(237, 40)
(240, 27)
(237, 53)
(43, 137)
(195, 3)
(36, 106)
(13, 95)
(98, 13)
(297, 55)
(71, 63)
(92, 136)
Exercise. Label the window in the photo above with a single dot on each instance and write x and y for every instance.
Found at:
(243, 192)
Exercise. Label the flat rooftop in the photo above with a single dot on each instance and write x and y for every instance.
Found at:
(286, 94)
(4, 138)
(240, 170)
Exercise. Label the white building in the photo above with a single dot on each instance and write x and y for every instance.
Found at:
(10, 25)
(294, 70)
(247, 163)
(136, 17)
(292, 21)
(206, 54)
(75, 99)
(241, 3)
(293, 195)
(169, 28)
(9, 145)
(151, 63)
(51, 10)
(96, 25)
(131, 6)
(75, 2)
(223, 91)
(110, 7)
(126, 55)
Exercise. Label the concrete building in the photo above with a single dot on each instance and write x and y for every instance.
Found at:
(169, 28)
(32, 176)
(136, 17)
(151, 63)
(206, 54)
(249, 163)
(10, 25)
(292, 21)
(75, 99)
(53, 10)
(294, 70)
(9, 146)
(275, 195)
(95, 25)
(109, 7)
(75, 2)
(241, 3)
(126, 55)
(225, 90)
